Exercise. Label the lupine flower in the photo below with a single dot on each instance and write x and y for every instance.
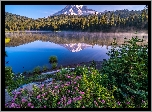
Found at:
(23, 100)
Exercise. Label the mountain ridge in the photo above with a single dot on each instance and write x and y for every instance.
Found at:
(75, 10)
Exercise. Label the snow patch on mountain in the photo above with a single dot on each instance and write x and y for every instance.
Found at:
(76, 10)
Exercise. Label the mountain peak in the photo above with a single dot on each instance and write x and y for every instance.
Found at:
(76, 10)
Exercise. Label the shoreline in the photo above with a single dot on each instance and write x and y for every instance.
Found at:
(98, 66)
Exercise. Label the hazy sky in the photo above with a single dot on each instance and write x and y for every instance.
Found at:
(40, 11)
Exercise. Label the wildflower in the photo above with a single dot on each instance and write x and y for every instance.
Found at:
(118, 103)
(83, 107)
(143, 101)
(17, 93)
(81, 92)
(96, 103)
(56, 87)
(79, 98)
(75, 82)
(13, 105)
(103, 101)
(128, 102)
(32, 106)
(38, 96)
(46, 98)
(68, 91)
(44, 106)
(59, 102)
(29, 104)
(69, 102)
(23, 100)
(68, 76)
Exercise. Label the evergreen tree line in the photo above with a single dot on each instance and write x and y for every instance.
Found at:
(119, 20)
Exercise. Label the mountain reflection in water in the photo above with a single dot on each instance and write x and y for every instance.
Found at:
(34, 49)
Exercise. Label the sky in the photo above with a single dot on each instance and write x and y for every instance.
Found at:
(41, 11)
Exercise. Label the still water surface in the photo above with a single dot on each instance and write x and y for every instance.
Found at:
(28, 50)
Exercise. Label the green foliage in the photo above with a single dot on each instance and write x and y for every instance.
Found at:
(8, 76)
(54, 65)
(37, 69)
(45, 68)
(127, 69)
(53, 59)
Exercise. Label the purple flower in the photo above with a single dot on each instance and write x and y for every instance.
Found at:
(32, 106)
(68, 76)
(83, 107)
(69, 102)
(103, 101)
(17, 93)
(59, 102)
(13, 105)
(128, 102)
(79, 98)
(44, 106)
(38, 96)
(81, 92)
(29, 104)
(96, 103)
(118, 103)
(24, 100)
(75, 82)
(56, 87)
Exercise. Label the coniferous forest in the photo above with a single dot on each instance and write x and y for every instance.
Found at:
(108, 21)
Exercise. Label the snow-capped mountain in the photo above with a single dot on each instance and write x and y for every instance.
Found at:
(76, 10)
(75, 47)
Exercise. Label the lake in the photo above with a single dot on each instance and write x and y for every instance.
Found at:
(28, 50)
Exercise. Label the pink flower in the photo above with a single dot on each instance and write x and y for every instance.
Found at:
(29, 104)
(38, 96)
(118, 103)
(59, 102)
(96, 103)
(56, 87)
(68, 76)
(128, 102)
(44, 106)
(83, 107)
(24, 100)
(68, 91)
(69, 102)
(32, 106)
(79, 98)
(81, 92)
(13, 105)
(75, 82)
